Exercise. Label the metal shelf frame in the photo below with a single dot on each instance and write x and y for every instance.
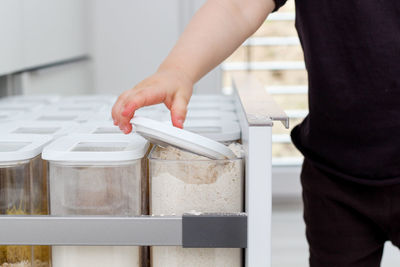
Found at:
(250, 230)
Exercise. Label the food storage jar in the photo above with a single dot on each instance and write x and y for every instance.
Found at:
(54, 128)
(182, 182)
(217, 130)
(97, 175)
(23, 191)
(189, 172)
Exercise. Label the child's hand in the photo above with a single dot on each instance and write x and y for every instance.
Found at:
(171, 87)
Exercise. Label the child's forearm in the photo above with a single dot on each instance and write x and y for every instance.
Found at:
(214, 33)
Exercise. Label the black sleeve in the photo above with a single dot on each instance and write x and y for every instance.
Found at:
(278, 4)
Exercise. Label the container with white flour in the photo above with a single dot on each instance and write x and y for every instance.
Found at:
(97, 175)
(181, 182)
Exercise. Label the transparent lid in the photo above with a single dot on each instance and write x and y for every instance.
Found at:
(53, 128)
(96, 148)
(164, 134)
(221, 131)
(211, 115)
(18, 147)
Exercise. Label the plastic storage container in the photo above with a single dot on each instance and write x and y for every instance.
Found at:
(97, 175)
(23, 191)
(183, 182)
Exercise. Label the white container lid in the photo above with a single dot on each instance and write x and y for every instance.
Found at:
(98, 127)
(9, 116)
(212, 98)
(164, 134)
(89, 148)
(19, 107)
(87, 99)
(74, 107)
(224, 106)
(60, 116)
(33, 99)
(211, 115)
(53, 128)
(221, 131)
(20, 147)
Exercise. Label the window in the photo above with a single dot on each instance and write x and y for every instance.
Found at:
(273, 54)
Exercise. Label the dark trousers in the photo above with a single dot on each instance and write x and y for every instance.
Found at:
(347, 223)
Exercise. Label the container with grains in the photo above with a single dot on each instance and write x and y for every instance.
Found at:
(97, 175)
(23, 191)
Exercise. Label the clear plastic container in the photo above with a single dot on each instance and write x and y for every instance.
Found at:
(183, 182)
(97, 175)
(23, 191)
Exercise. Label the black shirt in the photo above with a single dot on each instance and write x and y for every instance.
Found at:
(352, 55)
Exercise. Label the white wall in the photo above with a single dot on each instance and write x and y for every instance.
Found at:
(129, 39)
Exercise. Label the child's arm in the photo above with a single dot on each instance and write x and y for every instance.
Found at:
(214, 33)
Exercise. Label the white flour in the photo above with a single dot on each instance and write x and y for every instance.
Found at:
(183, 182)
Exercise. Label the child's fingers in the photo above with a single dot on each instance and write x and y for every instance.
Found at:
(178, 111)
(139, 99)
(117, 106)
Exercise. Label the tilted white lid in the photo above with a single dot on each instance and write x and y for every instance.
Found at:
(221, 131)
(90, 148)
(211, 115)
(53, 128)
(223, 106)
(98, 127)
(19, 147)
(165, 134)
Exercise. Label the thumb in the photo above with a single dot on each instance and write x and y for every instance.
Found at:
(178, 111)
